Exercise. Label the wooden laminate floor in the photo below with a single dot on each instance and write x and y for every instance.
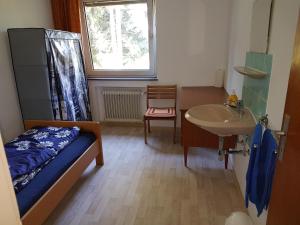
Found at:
(149, 185)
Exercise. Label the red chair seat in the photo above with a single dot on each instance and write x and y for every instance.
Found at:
(160, 112)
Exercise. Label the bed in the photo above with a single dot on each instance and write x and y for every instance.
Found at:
(39, 198)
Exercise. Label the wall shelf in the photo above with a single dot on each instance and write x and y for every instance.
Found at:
(247, 71)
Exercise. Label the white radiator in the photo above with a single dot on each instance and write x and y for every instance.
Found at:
(122, 104)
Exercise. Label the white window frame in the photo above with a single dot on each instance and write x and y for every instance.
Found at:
(124, 73)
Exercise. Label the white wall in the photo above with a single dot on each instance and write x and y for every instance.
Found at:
(239, 43)
(259, 25)
(9, 213)
(281, 47)
(284, 23)
(192, 44)
(15, 13)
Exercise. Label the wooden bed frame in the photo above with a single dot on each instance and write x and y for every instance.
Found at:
(39, 212)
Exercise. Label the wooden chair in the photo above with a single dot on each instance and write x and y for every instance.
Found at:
(158, 113)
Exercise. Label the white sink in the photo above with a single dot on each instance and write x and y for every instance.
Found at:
(221, 120)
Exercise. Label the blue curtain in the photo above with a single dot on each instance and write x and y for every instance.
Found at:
(68, 83)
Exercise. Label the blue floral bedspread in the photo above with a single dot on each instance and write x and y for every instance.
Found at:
(30, 152)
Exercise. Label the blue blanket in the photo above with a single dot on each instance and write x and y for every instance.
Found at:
(31, 151)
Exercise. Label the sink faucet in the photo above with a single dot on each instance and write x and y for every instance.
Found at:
(239, 107)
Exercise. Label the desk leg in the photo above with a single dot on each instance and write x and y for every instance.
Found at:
(186, 149)
(226, 159)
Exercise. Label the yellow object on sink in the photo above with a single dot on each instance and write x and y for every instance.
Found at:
(232, 99)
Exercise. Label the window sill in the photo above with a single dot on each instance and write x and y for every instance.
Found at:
(123, 78)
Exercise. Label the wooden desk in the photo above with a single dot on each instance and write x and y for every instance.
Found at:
(192, 135)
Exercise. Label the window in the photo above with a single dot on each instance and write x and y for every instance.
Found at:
(119, 38)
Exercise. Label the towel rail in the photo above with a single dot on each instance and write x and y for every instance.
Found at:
(279, 135)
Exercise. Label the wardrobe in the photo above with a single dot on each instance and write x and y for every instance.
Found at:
(49, 74)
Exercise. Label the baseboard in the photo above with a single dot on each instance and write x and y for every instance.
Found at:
(121, 124)
(135, 124)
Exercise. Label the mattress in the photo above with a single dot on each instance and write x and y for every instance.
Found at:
(50, 173)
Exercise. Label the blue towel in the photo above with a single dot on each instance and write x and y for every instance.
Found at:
(266, 170)
(255, 147)
(261, 171)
